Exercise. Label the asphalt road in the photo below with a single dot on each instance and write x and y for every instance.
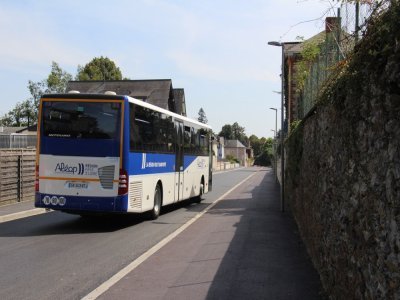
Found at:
(61, 256)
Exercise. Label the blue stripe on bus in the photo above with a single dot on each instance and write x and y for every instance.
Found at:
(151, 163)
(84, 203)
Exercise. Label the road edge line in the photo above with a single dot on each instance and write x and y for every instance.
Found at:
(105, 286)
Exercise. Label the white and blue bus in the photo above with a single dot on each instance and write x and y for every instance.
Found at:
(116, 154)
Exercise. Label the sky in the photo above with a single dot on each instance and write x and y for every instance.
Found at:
(215, 49)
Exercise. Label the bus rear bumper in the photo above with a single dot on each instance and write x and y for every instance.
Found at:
(79, 203)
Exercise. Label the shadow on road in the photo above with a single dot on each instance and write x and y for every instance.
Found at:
(266, 258)
(55, 223)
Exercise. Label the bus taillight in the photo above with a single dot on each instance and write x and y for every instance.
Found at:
(37, 179)
(123, 182)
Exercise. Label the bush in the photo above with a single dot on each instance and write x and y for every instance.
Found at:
(264, 159)
(232, 159)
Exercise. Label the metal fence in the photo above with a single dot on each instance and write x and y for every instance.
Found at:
(336, 46)
(14, 141)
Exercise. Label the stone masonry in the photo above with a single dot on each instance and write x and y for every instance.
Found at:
(343, 171)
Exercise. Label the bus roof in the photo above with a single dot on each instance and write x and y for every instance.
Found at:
(170, 113)
(78, 96)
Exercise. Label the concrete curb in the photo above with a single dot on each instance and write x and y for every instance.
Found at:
(22, 214)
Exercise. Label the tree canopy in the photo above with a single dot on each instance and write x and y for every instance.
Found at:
(99, 68)
(263, 150)
(234, 132)
(25, 112)
(202, 116)
(263, 147)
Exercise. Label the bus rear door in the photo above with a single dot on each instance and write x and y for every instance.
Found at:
(179, 171)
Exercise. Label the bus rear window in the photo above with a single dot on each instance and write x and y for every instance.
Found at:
(91, 120)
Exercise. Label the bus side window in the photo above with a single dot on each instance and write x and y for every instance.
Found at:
(133, 129)
(166, 133)
(139, 129)
(193, 141)
(187, 139)
(171, 134)
(203, 142)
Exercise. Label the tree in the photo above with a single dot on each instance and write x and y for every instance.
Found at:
(25, 113)
(99, 68)
(256, 144)
(239, 133)
(6, 120)
(226, 132)
(20, 115)
(202, 116)
(265, 156)
(57, 80)
(234, 132)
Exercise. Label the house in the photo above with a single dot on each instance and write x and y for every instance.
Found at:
(158, 92)
(180, 104)
(236, 149)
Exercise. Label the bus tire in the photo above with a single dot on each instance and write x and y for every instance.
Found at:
(155, 212)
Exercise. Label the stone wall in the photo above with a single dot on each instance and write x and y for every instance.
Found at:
(343, 171)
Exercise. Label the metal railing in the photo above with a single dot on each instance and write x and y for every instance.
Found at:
(337, 45)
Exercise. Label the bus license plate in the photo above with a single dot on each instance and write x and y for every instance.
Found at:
(77, 185)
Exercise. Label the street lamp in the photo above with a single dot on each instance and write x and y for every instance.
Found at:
(282, 45)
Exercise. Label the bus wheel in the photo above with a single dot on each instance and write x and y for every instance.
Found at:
(198, 198)
(155, 212)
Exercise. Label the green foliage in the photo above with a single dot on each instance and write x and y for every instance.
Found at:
(309, 53)
(202, 116)
(264, 159)
(263, 150)
(99, 68)
(294, 147)
(234, 132)
(232, 159)
(294, 125)
(256, 144)
(21, 115)
(226, 132)
(25, 113)
(57, 80)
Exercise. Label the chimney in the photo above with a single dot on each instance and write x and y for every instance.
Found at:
(332, 23)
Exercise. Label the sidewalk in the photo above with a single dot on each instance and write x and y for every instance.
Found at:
(16, 207)
(242, 248)
(19, 210)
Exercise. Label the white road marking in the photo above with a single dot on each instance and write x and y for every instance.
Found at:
(134, 264)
